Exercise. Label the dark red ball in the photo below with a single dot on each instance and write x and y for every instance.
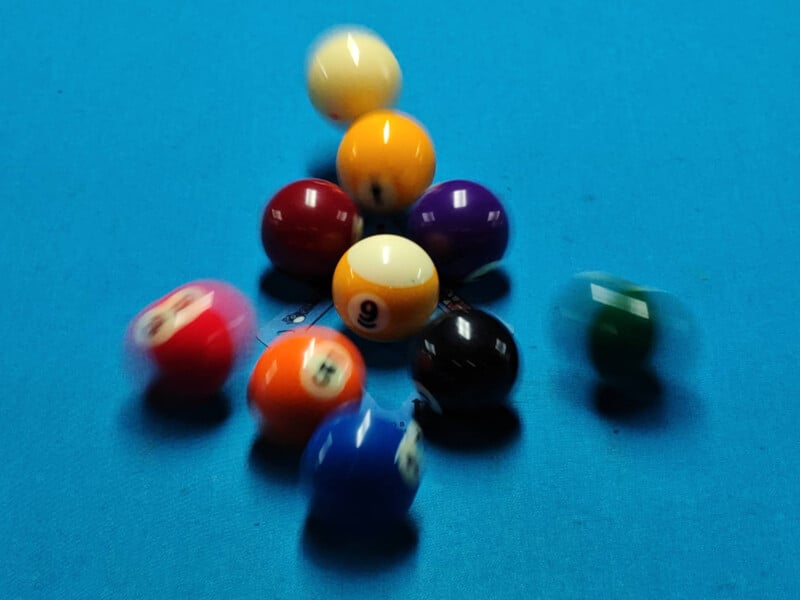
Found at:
(308, 225)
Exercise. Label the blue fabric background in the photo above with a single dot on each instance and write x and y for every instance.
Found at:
(656, 140)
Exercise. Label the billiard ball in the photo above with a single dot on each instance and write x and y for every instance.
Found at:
(462, 226)
(385, 161)
(620, 326)
(301, 377)
(610, 321)
(464, 361)
(622, 333)
(307, 226)
(362, 468)
(351, 72)
(385, 287)
(188, 341)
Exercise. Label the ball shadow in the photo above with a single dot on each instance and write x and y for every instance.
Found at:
(182, 415)
(489, 428)
(647, 403)
(382, 355)
(492, 286)
(273, 460)
(363, 550)
(639, 399)
(323, 166)
(378, 224)
(283, 287)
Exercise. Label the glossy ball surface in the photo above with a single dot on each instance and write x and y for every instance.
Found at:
(385, 288)
(622, 335)
(462, 226)
(362, 468)
(188, 340)
(385, 161)
(308, 225)
(615, 323)
(300, 378)
(465, 361)
(352, 71)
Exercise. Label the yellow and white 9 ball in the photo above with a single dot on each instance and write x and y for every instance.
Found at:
(385, 288)
(352, 71)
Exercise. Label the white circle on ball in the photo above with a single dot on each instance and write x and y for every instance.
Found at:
(391, 261)
(409, 456)
(326, 369)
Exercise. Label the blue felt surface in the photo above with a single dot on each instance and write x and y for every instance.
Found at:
(656, 140)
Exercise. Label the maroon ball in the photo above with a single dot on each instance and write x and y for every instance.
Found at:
(308, 225)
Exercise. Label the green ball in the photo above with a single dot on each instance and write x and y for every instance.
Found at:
(622, 333)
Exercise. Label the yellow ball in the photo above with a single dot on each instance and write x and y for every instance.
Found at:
(351, 72)
(385, 288)
(385, 161)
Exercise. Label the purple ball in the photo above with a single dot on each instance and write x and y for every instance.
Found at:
(462, 226)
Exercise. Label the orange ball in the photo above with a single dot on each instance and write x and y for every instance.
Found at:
(300, 378)
(385, 161)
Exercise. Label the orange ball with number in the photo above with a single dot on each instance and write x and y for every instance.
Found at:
(300, 378)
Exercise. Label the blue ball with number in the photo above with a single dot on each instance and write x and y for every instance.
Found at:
(362, 468)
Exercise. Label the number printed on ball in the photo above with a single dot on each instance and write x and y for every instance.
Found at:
(368, 312)
(327, 370)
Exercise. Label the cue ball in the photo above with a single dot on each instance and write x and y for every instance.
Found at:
(351, 72)
(462, 226)
(465, 361)
(300, 378)
(307, 226)
(362, 468)
(385, 288)
(385, 161)
(188, 341)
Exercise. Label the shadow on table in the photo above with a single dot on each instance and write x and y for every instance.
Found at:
(273, 460)
(489, 428)
(640, 399)
(185, 413)
(160, 415)
(382, 355)
(285, 288)
(647, 402)
(359, 551)
(323, 166)
(489, 288)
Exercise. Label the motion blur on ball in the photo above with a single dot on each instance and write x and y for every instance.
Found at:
(188, 341)
(625, 331)
(352, 71)
(300, 378)
(362, 469)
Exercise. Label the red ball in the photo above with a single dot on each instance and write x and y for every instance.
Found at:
(195, 361)
(187, 342)
(308, 225)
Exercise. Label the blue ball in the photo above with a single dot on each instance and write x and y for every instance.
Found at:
(362, 467)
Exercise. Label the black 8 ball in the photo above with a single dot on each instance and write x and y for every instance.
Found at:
(465, 361)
